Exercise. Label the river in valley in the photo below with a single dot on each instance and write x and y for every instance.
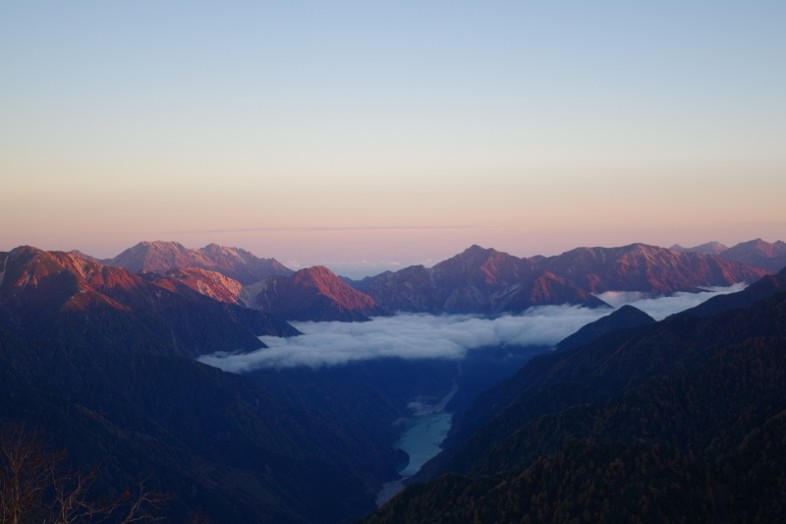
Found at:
(420, 439)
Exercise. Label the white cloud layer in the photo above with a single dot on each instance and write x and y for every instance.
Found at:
(412, 336)
(661, 307)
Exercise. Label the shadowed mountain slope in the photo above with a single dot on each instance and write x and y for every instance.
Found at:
(626, 317)
(675, 420)
(759, 290)
(222, 445)
(99, 360)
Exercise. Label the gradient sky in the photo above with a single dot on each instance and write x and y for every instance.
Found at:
(344, 132)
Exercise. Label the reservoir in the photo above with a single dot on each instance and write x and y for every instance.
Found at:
(421, 438)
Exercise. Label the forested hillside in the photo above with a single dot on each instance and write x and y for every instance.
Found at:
(680, 421)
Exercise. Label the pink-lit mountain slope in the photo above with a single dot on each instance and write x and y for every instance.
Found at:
(235, 263)
(491, 282)
(639, 267)
(61, 296)
(770, 256)
(203, 281)
(314, 293)
(477, 280)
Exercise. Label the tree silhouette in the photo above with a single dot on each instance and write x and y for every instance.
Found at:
(35, 486)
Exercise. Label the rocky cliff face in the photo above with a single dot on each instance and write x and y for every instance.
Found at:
(235, 263)
(314, 293)
(203, 281)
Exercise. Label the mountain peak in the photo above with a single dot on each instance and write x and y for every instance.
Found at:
(315, 273)
(214, 249)
(161, 245)
(314, 293)
(475, 251)
(708, 248)
(25, 250)
(156, 256)
(235, 263)
(475, 248)
(475, 255)
(760, 253)
(639, 247)
(624, 318)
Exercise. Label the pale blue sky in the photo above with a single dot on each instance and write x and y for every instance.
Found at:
(528, 126)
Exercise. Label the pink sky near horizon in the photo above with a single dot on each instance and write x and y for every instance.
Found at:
(376, 134)
(341, 225)
(358, 253)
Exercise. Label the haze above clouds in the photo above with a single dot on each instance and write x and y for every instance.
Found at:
(411, 336)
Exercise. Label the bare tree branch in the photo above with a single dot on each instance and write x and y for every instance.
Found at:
(34, 488)
(145, 501)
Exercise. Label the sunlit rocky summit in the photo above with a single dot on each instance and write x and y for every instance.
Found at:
(314, 293)
(233, 262)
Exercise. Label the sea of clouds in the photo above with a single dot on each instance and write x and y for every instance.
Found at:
(661, 307)
(416, 336)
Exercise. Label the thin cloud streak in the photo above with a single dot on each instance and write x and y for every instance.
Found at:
(334, 228)
(414, 336)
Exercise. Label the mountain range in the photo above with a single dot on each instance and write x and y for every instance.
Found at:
(476, 281)
(490, 282)
(232, 262)
(766, 255)
(100, 357)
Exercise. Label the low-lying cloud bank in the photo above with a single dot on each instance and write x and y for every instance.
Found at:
(412, 336)
(407, 336)
(661, 307)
